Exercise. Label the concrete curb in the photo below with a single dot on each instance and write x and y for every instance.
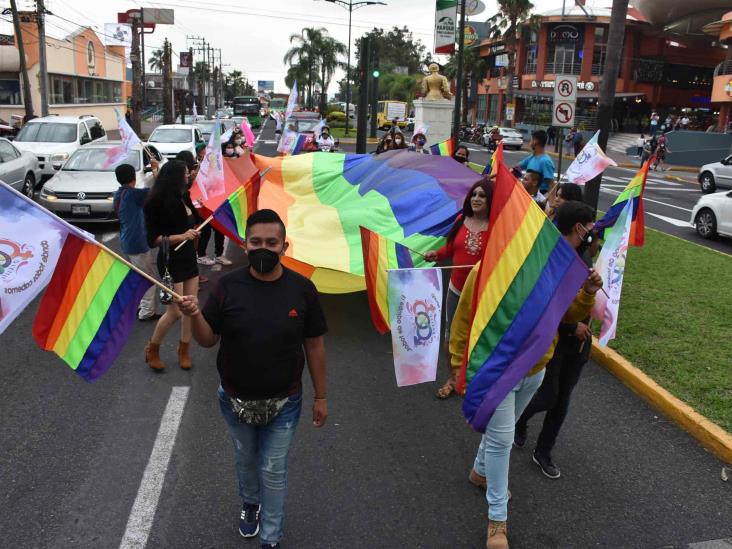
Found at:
(709, 434)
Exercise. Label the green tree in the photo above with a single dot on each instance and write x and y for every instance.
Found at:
(505, 24)
(397, 48)
(474, 66)
(156, 61)
(305, 52)
(330, 53)
(233, 84)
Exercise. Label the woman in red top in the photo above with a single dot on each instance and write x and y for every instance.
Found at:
(465, 245)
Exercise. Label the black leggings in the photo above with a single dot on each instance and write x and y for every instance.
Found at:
(562, 374)
(203, 241)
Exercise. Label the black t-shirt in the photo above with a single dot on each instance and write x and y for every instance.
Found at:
(263, 326)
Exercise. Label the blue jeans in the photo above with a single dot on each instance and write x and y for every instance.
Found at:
(261, 462)
(495, 446)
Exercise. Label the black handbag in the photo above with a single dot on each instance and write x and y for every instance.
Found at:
(163, 261)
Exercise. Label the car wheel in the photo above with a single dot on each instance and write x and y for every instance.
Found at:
(706, 224)
(29, 185)
(706, 181)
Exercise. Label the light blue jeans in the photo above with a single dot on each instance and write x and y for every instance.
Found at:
(495, 446)
(261, 462)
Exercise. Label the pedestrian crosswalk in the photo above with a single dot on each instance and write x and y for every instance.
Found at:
(619, 142)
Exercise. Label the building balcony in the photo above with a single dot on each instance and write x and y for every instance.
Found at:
(563, 68)
(724, 68)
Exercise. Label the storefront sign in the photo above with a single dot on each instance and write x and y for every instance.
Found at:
(91, 58)
(549, 84)
(474, 33)
(510, 111)
(186, 59)
(445, 17)
(728, 88)
(118, 34)
(564, 33)
(7, 40)
(474, 7)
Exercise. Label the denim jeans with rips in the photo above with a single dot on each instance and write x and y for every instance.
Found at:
(261, 462)
(495, 446)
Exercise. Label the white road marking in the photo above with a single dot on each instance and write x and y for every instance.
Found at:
(671, 220)
(712, 544)
(143, 510)
(646, 199)
(106, 237)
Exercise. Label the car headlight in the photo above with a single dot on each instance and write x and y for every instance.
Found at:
(48, 194)
(110, 197)
(57, 160)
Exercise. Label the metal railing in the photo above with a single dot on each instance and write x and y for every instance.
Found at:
(725, 67)
(530, 68)
(563, 68)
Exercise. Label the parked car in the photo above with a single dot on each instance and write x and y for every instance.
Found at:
(170, 139)
(303, 122)
(54, 138)
(83, 189)
(712, 215)
(207, 126)
(511, 138)
(18, 169)
(717, 174)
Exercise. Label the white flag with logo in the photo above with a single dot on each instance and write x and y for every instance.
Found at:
(31, 239)
(291, 101)
(589, 163)
(415, 303)
(210, 178)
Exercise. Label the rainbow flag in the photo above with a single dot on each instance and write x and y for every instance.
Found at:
(491, 168)
(231, 216)
(527, 279)
(89, 308)
(379, 255)
(324, 199)
(444, 148)
(633, 192)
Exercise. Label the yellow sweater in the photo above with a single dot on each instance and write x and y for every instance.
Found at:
(578, 310)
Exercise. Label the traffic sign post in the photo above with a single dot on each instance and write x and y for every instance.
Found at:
(564, 109)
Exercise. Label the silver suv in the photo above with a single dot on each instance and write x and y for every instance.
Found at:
(53, 138)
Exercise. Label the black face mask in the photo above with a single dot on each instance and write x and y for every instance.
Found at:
(460, 159)
(263, 260)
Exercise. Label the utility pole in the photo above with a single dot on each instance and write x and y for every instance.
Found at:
(136, 72)
(606, 98)
(363, 94)
(459, 79)
(43, 75)
(168, 115)
(27, 98)
(374, 88)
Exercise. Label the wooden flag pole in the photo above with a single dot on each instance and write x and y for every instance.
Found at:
(421, 268)
(210, 217)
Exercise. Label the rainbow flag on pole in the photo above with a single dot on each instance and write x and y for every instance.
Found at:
(231, 216)
(633, 192)
(444, 148)
(379, 255)
(527, 279)
(89, 307)
(491, 168)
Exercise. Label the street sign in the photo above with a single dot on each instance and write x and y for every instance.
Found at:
(563, 114)
(565, 88)
(510, 110)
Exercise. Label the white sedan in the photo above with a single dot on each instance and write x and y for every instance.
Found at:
(712, 215)
(19, 169)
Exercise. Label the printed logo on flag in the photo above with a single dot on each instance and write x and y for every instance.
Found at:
(418, 318)
(20, 265)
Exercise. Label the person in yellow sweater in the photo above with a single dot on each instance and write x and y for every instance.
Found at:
(575, 221)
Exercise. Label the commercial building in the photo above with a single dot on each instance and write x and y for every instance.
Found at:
(84, 75)
(722, 88)
(662, 68)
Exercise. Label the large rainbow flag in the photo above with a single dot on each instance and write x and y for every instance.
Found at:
(379, 255)
(89, 307)
(527, 279)
(443, 148)
(324, 199)
(633, 192)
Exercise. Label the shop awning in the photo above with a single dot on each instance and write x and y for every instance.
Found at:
(581, 94)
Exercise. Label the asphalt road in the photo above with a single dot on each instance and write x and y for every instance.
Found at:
(389, 469)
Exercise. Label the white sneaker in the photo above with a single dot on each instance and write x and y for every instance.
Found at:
(223, 260)
(205, 260)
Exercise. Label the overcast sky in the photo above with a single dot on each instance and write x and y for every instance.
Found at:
(253, 35)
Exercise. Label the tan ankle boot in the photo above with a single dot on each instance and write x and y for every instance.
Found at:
(475, 478)
(183, 359)
(152, 356)
(497, 530)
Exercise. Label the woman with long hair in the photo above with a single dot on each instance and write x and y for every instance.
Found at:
(465, 245)
(170, 214)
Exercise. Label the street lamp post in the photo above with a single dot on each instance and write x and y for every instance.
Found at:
(350, 5)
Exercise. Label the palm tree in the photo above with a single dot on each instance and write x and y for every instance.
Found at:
(234, 84)
(305, 52)
(202, 73)
(505, 24)
(330, 51)
(474, 66)
(156, 61)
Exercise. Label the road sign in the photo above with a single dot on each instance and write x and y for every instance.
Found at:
(565, 88)
(510, 110)
(563, 114)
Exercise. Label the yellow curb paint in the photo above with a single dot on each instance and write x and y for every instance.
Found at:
(709, 434)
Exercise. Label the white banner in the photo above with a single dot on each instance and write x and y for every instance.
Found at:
(291, 101)
(589, 163)
(445, 26)
(118, 34)
(415, 302)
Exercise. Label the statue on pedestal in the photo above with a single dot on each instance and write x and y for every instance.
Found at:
(435, 86)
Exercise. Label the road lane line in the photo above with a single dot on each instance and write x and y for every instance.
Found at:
(646, 199)
(671, 220)
(143, 510)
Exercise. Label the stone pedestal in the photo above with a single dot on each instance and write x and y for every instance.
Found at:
(436, 116)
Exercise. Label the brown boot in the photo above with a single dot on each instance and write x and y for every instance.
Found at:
(497, 530)
(183, 359)
(480, 481)
(152, 356)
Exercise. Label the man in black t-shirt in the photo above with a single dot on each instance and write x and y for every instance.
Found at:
(268, 321)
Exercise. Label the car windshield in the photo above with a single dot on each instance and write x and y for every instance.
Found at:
(307, 125)
(171, 135)
(94, 160)
(47, 132)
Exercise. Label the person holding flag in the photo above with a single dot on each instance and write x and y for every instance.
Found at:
(539, 161)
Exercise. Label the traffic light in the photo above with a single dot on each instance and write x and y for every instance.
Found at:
(376, 73)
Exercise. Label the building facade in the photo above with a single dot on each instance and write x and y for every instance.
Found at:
(659, 70)
(84, 75)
